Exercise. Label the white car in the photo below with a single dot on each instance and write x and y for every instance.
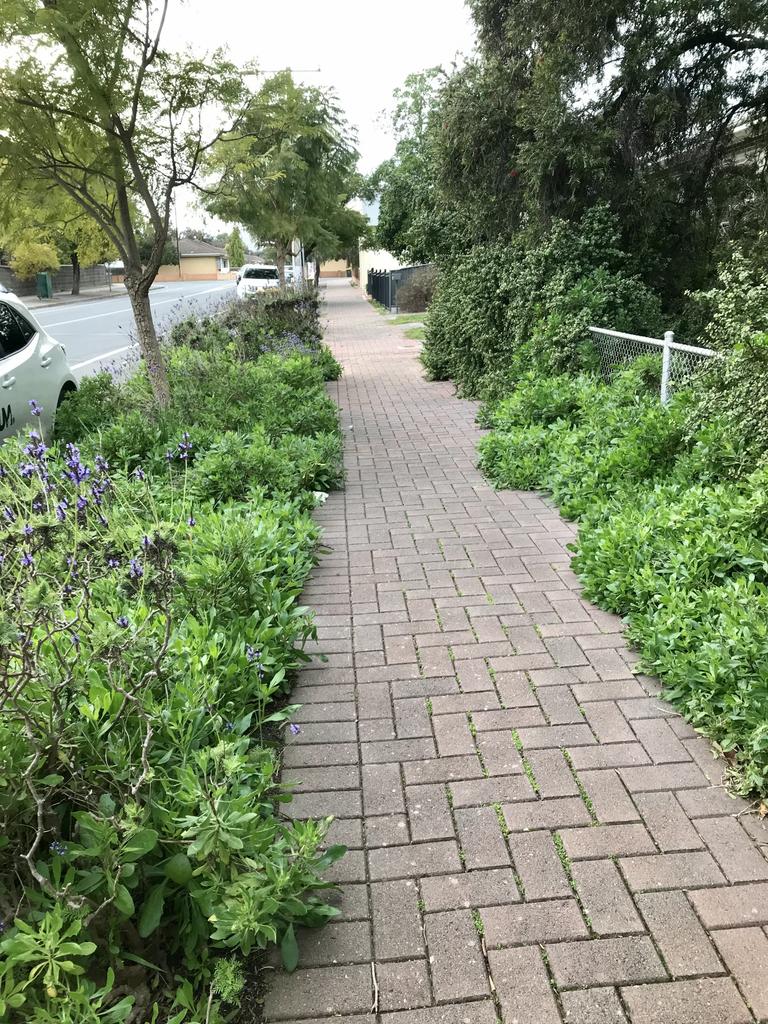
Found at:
(34, 372)
(255, 278)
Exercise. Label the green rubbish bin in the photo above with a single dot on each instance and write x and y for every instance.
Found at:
(45, 285)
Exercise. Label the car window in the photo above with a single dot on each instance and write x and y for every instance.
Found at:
(262, 273)
(26, 328)
(12, 337)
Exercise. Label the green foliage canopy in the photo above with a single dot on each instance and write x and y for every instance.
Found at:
(656, 109)
(286, 172)
(235, 248)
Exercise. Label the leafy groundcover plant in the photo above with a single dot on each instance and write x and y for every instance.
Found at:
(673, 534)
(151, 566)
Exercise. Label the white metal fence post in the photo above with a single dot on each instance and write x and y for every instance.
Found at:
(669, 337)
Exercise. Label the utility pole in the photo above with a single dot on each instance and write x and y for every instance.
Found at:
(176, 224)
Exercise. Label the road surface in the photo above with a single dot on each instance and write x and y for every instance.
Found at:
(100, 332)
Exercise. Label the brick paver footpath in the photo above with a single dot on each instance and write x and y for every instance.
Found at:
(534, 836)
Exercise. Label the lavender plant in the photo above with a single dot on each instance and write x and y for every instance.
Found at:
(149, 628)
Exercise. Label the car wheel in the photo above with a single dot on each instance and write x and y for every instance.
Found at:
(68, 389)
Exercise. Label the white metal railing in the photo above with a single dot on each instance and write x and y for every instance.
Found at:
(678, 362)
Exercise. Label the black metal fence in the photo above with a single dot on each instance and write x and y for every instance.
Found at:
(383, 285)
(379, 287)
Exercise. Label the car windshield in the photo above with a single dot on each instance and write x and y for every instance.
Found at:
(262, 273)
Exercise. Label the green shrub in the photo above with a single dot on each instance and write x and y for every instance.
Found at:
(327, 364)
(237, 463)
(735, 387)
(96, 402)
(663, 540)
(150, 625)
(527, 304)
(415, 296)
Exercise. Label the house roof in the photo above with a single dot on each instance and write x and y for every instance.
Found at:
(194, 247)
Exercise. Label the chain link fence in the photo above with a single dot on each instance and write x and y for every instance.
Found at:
(679, 364)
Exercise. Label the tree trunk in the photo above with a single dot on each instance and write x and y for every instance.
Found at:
(149, 346)
(317, 272)
(281, 251)
(75, 272)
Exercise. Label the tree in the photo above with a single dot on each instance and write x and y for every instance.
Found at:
(631, 104)
(205, 236)
(145, 239)
(92, 104)
(36, 212)
(345, 229)
(30, 258)
(657, 109)
(235, 248)
(285, 174)
(415, 221)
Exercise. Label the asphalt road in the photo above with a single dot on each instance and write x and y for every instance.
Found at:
(99, 332)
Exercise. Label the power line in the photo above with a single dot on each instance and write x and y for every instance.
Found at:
(276, 71)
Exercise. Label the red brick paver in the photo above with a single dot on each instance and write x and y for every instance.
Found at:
(534, 836)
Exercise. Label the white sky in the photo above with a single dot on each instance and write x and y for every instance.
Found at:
(364, 51)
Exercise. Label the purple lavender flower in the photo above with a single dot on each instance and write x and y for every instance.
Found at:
(9, 514)
(295, 729)
(139, 474)
(61, 510)
(58, 848)
(82, 503)
(101, 464)
(28, 530)
(37, 505)
(252, 654)
(122, 621)
(169, 455)
(77, 472)
(35, 449)
(191, 521)
(113, 562)
(146, 542)
(136, 569)
(229, 726)
(34, 407)
(27, 469)
(27, 560)
(185, 446)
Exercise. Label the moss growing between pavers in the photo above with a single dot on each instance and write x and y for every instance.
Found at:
(582, 791)
(527, 768)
